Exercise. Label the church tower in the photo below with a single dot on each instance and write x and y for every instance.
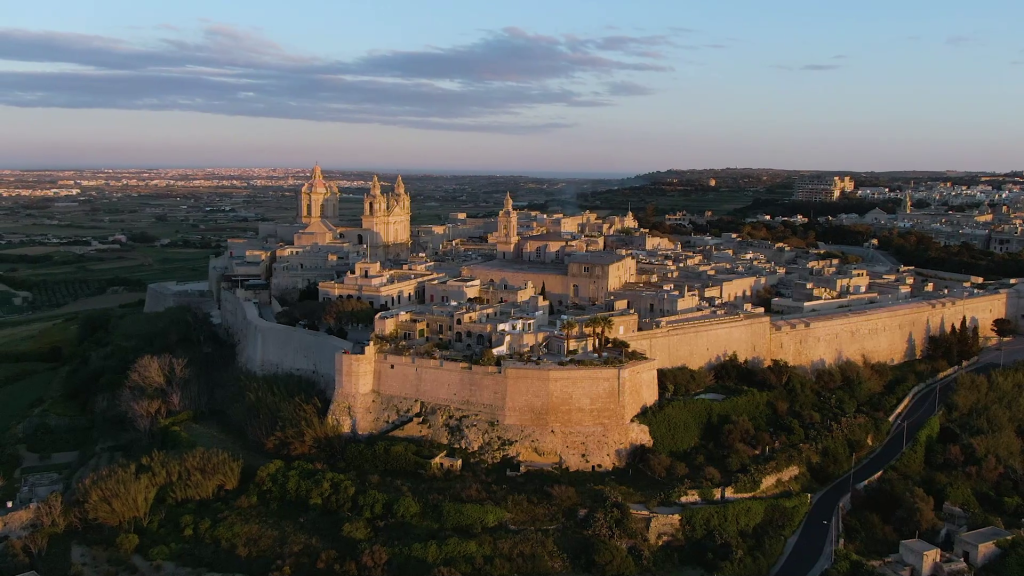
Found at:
(508, 230)
(386, 218)
(317, 200)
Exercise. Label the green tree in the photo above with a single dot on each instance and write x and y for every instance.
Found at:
(1003, 327)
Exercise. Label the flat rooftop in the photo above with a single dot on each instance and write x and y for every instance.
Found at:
(918, 545)
(985, 535)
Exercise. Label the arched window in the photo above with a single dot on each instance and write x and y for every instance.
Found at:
(458, 336)
(480, 340)
(359, 239)
(309, 210)
(575, 290)
(458, 321)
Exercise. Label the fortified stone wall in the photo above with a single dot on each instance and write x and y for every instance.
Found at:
(890, 334)
(267, 347)
(886, 334)
(579, 416)
(517, 394)
(163, 295)
(704, 342)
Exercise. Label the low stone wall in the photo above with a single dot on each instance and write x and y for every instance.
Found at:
(728, 493)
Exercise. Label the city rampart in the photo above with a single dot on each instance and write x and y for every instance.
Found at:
(578, 416)
(890, 334)
(706, 341)
(884, 334)
(268, 347)
(517, 394)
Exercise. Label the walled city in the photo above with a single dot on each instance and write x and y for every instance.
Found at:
(539, 336)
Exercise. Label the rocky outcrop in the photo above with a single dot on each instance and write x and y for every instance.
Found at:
(576, 448)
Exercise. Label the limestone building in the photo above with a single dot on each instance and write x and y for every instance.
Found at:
(317, 199)
(507, 236)
(386, 220)
(382, 288)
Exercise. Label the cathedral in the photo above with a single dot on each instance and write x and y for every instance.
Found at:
(317, 199)
(385, 235)
(386, 219)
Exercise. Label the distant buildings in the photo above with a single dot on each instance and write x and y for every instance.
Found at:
(821, 188)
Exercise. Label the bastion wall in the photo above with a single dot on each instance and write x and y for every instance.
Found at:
(517, 394)
(890, 334)
(884, 334)
(580, 416)
(267, 347)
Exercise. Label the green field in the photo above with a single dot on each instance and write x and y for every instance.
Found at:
(18, 398)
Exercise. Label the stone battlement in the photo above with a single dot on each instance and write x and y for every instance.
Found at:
(583, 414)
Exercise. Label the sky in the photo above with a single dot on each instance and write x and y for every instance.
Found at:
(559, 86)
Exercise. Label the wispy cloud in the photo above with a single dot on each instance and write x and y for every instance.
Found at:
(808, 67)
(626, 88)
(820, 67)
(960, 40)
(507, 81)
(840, 57)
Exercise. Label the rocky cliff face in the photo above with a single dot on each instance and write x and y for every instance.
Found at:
(577, 448)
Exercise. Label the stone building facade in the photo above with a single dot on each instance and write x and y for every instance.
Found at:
(317, 199)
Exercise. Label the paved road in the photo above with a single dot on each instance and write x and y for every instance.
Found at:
(814, 535)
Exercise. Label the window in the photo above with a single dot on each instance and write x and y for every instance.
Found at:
(458, 321)
(539, 251)
(586, 269)
(440, 328)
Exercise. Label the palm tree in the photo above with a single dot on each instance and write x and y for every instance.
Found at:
(594, 324)
(604, 324)
(568, 327)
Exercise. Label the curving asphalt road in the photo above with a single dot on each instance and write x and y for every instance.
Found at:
(813, 535)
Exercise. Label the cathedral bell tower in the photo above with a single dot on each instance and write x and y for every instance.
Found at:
(508, 230)
(317, 200)
(386, 219)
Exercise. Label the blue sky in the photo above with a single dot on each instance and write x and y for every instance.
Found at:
(557, 86)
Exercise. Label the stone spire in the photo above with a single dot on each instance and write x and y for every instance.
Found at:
(317, 175)
(375, 186)
(399, 186)
(508, 201)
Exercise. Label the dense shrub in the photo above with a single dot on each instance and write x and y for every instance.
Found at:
(681, 424)
(124, 493)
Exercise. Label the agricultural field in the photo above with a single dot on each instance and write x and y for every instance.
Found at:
(30, 371)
